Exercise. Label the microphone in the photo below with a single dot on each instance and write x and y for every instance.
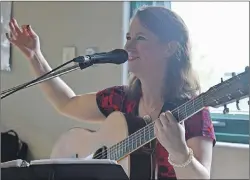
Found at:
(117, 56)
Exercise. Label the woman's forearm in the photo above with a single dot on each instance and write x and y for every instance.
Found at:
(56, 90)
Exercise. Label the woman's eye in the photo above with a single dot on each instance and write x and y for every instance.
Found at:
(128, 37)
(140, 38)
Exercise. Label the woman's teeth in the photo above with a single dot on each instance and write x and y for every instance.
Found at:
(131, 58)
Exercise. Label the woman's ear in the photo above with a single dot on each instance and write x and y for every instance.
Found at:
(171, 48)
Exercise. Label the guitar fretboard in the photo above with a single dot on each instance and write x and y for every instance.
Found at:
(146, 134)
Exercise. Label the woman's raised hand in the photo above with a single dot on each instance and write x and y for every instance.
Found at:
(24, 38)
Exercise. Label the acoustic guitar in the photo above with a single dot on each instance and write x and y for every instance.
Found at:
(121, 135)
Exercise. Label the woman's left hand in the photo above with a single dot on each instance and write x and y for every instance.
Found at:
(171, 135)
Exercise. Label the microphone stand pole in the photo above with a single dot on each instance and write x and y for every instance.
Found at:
(50, 76)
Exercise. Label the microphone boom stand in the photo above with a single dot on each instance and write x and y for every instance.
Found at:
(50, 76)
(117, 56)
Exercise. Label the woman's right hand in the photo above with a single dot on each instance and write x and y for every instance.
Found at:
(24, 38)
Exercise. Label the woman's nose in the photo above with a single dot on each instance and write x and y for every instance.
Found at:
(130, 44)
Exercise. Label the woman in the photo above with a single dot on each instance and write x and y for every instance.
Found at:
(160, 64)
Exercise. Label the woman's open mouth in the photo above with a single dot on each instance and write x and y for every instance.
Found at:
(132, 58)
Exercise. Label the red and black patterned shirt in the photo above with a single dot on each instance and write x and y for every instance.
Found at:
(114, 99)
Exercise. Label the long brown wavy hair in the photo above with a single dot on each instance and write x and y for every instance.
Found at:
(180, 79)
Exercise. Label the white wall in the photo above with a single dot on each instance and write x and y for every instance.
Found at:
(59, 24)
(230, 161)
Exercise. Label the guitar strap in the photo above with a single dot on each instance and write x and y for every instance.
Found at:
(153, 144)
(168, 106)
(153, 156)
(154, 165)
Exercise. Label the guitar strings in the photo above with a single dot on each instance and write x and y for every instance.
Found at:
(137, 135)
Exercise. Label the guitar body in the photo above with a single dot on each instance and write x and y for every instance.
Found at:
(115, 128)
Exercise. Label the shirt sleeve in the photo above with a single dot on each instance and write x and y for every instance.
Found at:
(110, 99)
(200, 124)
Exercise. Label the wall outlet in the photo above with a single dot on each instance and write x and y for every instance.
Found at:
(69, 53)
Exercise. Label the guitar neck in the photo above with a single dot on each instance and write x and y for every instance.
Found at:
(146, 134)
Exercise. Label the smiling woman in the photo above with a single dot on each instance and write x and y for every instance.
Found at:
(211, 61)
(160, 59)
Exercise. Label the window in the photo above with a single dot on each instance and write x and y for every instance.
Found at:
(219, 33)
(220, 40)
(136, 4)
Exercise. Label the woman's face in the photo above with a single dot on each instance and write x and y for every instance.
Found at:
(147, 54)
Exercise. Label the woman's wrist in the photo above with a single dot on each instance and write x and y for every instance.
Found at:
(180, 157)
(36, 55)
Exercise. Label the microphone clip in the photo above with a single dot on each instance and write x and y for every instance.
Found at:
(83, 61)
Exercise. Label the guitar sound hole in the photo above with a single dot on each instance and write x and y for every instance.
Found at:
(101, 153)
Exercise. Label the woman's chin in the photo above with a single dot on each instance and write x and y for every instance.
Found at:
(133, 66)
